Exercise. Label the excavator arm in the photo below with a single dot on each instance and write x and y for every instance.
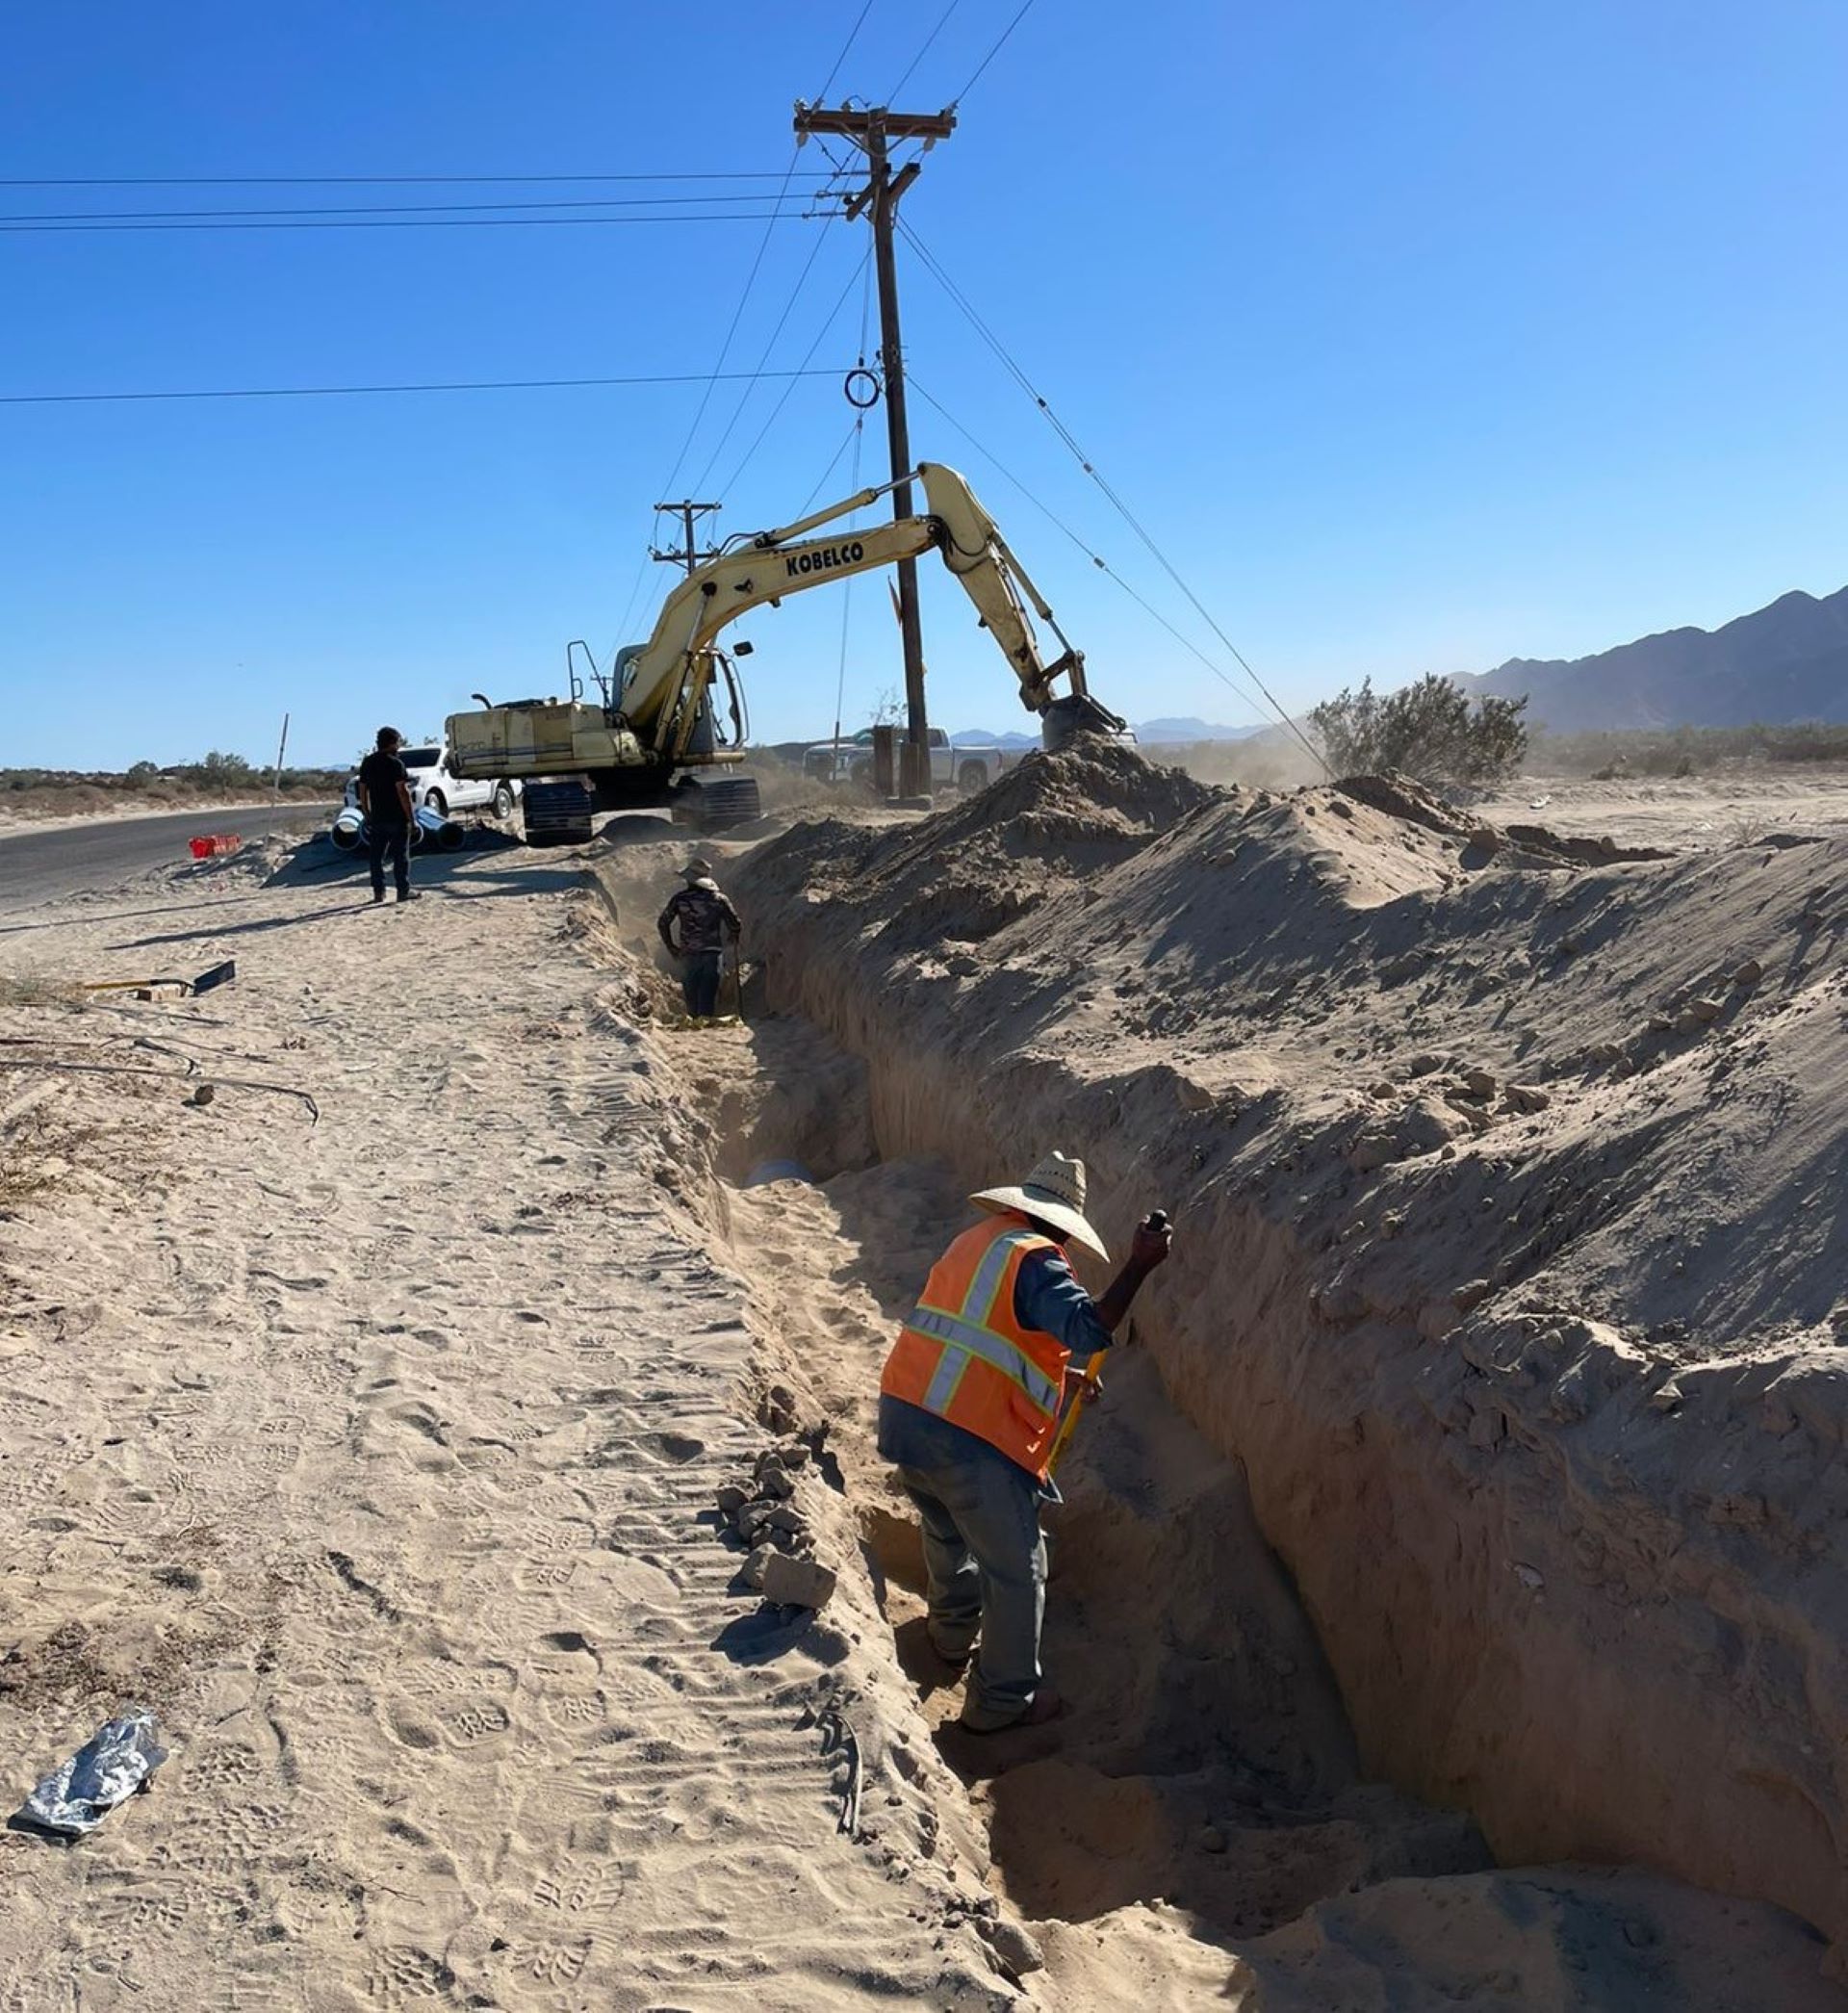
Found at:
(654, 678)
(658, 717)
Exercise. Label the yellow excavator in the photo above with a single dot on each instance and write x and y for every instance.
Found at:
(656, 737)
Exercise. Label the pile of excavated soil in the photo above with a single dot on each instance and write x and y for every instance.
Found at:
(1507, 1175)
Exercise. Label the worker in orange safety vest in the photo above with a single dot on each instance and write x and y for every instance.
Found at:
(969, 1410)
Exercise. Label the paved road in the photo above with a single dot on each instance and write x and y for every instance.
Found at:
(39, 867)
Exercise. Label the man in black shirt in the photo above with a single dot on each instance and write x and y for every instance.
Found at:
(385, 801)
(706, 922)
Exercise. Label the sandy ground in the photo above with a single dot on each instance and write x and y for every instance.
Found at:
(1693, 814)
(1199, 1831)
(377, 1455)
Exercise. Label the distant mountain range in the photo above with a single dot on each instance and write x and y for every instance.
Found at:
(1180, 731)
(1785, 663)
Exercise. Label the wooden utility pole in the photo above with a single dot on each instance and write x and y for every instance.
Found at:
(873, 132)
(688, 512)
(275, 780)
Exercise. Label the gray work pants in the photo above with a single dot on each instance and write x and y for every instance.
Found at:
(986, 1560)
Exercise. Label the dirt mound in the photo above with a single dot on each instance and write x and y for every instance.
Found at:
(1509, 1259)
(993, 859)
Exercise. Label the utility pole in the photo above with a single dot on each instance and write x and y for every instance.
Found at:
(873, 132)
(688, 512)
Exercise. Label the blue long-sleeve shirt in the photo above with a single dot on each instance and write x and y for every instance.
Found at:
(1047, 1297)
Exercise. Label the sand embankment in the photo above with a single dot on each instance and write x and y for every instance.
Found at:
(1508, 1178)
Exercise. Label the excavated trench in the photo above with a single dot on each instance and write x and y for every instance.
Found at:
(1205, 1760)
(1198, 1829)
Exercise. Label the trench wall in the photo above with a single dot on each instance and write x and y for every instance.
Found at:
(1526, 1615)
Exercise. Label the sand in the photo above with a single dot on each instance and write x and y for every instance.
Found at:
(1510, 1267)
(378, 1454)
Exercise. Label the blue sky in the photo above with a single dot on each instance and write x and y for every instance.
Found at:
(1419, 334)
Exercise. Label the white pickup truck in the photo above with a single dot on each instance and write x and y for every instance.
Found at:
(436, 786)
(968, 767)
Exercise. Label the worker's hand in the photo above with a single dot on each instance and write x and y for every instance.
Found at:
(1082, 1386)
(1149, 1247)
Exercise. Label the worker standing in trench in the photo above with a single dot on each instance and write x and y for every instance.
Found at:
(706, 922)
(970, 1406)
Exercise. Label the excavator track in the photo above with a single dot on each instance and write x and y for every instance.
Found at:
(556, 811)
(720, 804)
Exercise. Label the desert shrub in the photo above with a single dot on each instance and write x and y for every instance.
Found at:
(1430, 729)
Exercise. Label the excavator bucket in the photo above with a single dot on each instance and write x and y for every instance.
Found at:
(1078, 714)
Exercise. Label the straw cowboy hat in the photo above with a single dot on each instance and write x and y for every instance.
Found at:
(1055, 1194)
(696, 869)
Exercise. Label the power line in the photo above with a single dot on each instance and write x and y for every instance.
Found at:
(415, 223)
(853, 36)
(714, 378)
(782, 322)
(1096, 559)
(833, 316)
(329, 210)
(1083, 461)
(358, 181)
(891, 96)
(993, 53)
(834, 463)
(846, 595)
(731, 330)
(354, 391)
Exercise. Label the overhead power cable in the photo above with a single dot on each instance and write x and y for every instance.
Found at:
(846, 595)
(1083, 461)
(715, 378)
(833, 462)
(417, 223)
(731, 333)
(1000, 44)
(737, 312)
(891, 96)
(355, 391)
(853, 36)
(833, 316)
(360, 181)
(329, 210)
(1095, 558)
(782, 322)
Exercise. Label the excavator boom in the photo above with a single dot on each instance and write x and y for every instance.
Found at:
(660, 715)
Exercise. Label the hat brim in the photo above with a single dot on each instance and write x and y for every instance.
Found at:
(1047, 1209)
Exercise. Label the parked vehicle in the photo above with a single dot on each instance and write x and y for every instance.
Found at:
(967, 767)
(436, 786)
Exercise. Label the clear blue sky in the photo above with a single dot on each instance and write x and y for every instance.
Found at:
(1421, 334)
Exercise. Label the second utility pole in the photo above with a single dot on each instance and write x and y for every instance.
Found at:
(873, 131)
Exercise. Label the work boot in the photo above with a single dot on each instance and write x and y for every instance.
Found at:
(1046, 1705)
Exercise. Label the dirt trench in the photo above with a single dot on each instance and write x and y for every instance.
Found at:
(1197, 1830)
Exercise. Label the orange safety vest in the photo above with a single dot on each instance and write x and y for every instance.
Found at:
(965, 1356)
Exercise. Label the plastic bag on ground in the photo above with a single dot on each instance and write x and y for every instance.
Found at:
(109, 1767)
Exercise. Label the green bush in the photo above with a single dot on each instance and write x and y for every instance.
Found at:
(1430, 729)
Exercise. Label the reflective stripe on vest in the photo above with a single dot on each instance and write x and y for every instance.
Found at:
(965, 1356)
(966, 1332)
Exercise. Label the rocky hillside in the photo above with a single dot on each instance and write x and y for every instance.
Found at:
(1788, 662)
